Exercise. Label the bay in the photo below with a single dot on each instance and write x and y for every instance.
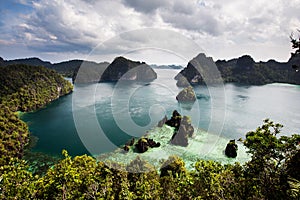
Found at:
(125, 110)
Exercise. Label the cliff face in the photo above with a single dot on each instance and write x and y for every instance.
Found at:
(125, 69)
(26, 88)
(244, 70)
(199, 70)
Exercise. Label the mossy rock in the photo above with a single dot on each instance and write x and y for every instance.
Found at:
(186, 95)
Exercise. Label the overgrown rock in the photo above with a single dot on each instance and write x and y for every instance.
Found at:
(231, 149)
(186, 95)
(175, 120)
(186, 130)
(130, 142)
(126, 148)
(162, 122)
(144, 144)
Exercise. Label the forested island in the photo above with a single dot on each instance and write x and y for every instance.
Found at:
(82, 71)
(271, 173)
(242, 70)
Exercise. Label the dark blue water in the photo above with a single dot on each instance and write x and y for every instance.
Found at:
(99, 117)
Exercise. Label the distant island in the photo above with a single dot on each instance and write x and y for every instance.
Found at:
(166, 66)
(125, 69)
(242, 70)
(90, 72)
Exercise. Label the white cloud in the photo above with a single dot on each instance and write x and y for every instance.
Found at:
(224, 29)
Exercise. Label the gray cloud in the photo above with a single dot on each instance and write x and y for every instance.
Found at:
(80, 25)
(146, 6)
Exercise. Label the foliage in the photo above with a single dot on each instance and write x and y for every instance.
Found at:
(272, 173)
(186, 95)
(143, 179)
(24, 88)
(295, 44)
(272, 158)
(173, 166)
(27, 88)
(243, 70)
(16, 182)
(125, 69)
(13, 135)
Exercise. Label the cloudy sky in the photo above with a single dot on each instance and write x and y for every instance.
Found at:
(150, 30)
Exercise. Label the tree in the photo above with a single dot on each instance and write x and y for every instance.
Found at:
(295, 45)
(271, 158)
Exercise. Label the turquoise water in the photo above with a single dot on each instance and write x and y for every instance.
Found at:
(97, 118)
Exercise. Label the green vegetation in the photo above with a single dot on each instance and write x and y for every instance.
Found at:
(272, 173)
(244, 70)
(295, 44)
(295, 56)
(186, 95)
(14, 135)
(125, 69)
(26, 88)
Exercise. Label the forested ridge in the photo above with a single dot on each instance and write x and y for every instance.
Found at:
(23, 88)
(26, 88)
(242, 70)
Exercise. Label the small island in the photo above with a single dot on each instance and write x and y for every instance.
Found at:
(128, 70)
(186, 95)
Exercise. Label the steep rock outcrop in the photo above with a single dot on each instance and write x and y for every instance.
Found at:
(186, 95)
(231, 149)
(199, 70)
(186, 130)
(243, 70)
(144, 144)
(183, 128)
(125, 69)
(162, 122)
(175, 120)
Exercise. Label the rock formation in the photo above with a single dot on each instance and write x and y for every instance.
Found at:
(243, 70)
(175, 120)
(144, 144)
(199, 70)
(186, 130)
(162, 122)
(231, 149)
(126, 148)
(186, 95)
(125, 69)
(130, 142)
(183, 128)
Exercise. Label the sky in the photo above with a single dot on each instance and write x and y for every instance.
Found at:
(155, 31)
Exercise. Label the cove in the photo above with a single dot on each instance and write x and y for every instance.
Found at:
(242, 109)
